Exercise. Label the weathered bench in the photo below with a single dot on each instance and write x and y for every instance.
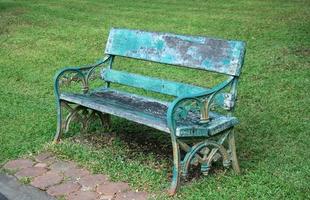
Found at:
(190, 118)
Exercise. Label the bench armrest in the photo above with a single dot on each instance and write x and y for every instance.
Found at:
(82, 72)
(200, 101)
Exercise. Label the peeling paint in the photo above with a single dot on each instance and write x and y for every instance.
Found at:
(211, 54)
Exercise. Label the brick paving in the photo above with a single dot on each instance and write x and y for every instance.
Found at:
(63, 189)
(18, 164)
(112, 188)
(65, 179)
(47, 180)
(30, 172)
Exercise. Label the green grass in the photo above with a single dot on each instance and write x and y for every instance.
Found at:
(25, 180)
(39, 37)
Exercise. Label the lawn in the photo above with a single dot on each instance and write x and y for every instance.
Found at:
(39, 37)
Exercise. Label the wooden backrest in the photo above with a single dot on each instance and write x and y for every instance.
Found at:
(216, 55)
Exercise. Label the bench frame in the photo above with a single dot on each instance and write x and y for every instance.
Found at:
(199, 149)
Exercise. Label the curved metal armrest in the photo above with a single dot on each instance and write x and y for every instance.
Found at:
(80, 72)
(207, 95)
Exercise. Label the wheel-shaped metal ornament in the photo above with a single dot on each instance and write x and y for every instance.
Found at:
(205, 153)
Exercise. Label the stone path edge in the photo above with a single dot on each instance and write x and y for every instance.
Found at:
(66, 180)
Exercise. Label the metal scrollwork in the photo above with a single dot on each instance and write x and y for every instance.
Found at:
(205, 153)
(68, 78)
(81, 75)
(83, 116)
(188, 110)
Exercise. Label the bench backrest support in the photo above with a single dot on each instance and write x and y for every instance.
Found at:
(150, 83)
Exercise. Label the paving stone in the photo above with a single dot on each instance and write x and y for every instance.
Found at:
(30, 172)
(46, 180)
(62, 166)
(91, 181)
(112, 188)
(76, 173)
(82, 195)
(44, 165)
(106, 197)
(131, 196)
(18, 164)
(50, 160)
(63, 189)
(42, 157)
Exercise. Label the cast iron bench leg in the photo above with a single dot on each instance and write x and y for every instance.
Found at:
(59, 123)
(232, 147)
(176, 166)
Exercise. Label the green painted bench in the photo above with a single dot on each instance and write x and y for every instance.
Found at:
(204, 135)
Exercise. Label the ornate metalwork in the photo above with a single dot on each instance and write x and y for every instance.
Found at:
(66, 77)
(84, 116)
(205, 153)
(188, 111)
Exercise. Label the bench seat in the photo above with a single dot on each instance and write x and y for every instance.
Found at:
(147, 111)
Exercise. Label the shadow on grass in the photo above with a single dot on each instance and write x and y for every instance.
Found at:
(139, 142)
